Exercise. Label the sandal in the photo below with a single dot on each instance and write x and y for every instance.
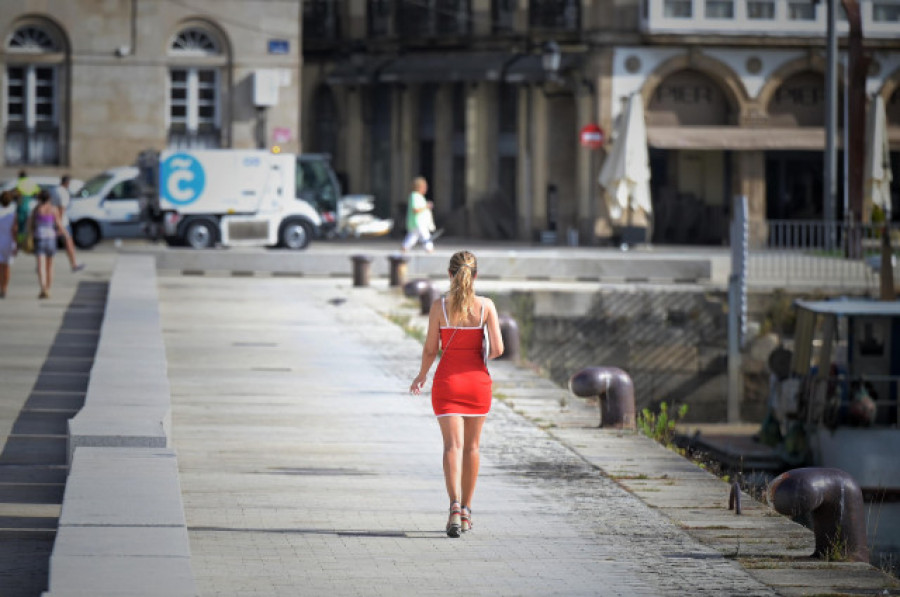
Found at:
(465, 519)
(454, 523)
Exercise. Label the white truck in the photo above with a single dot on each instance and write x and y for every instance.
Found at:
(234, 197)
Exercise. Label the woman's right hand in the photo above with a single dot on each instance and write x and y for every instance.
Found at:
(417, 385)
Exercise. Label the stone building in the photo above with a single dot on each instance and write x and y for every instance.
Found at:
(465, 93)
(88, 84)
(486, 98)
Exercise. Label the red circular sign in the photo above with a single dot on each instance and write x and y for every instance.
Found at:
(592, 136)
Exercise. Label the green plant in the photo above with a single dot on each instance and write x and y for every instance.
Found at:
(660, 426)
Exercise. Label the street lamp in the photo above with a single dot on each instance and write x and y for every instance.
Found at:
(551, 59)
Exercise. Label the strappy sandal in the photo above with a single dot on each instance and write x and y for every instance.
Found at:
(465, 519)
(454, 523)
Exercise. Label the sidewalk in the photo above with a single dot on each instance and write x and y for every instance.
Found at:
(307, 468)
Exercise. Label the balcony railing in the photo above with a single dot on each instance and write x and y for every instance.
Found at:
(420, 19)
(880, 18)
(561, 15)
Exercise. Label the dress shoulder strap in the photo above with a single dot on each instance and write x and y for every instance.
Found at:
(481, 323)
(444, 307)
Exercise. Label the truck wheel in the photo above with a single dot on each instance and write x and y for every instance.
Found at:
(200, 235)
(85, 234)
(295, 234)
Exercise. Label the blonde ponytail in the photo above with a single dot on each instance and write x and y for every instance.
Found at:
(463, 267)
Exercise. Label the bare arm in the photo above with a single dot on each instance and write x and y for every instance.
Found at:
(430, 349)
(492, 322)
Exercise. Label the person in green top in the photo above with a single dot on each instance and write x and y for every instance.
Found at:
(419, 220)
(26, 190)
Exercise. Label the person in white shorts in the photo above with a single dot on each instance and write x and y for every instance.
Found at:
(8, 230)
(419, 221)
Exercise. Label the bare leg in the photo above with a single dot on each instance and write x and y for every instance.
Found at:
(42, 272)
(70, 252)
(471, 459)
(4, 278)
(49, 272)
(452, 432)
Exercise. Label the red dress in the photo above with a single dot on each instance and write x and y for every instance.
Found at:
(462, 384)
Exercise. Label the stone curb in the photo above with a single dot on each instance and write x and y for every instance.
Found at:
(122, 529)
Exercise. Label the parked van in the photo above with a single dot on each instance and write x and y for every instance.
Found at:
(107, 206)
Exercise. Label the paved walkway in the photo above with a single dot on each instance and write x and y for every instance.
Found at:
(307, 469)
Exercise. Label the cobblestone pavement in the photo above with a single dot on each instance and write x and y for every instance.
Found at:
(307, 468)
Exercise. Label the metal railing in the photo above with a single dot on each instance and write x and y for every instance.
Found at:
(833, 255)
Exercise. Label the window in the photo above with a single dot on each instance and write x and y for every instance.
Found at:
(503, 15)
(678, 9)
(801, 11)
(886, 12)
(194, 107)
(320, 20)
(32, 97)
(555, 14)
(379, 17)
(719, 9)
(761, 9)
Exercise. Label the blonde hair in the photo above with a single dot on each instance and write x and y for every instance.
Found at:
(417, 181)
(463, 267)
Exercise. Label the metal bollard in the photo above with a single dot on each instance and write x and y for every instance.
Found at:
(509, 331)
(398, 269)
(361, 265)
(835, 503)
(615, 391)
(414, 288)
(428, 296)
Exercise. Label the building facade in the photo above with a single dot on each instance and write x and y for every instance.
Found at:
(88, 84)
(463, 92)
(485, 98)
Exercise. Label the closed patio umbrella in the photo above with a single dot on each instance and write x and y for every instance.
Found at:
(878, 175)
(625, 175)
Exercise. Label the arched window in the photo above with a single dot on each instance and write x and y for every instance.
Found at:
(800, 101)
(33, 74)
(195, 111)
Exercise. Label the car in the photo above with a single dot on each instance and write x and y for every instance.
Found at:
(107, 206)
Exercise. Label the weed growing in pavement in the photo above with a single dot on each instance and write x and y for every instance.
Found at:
(660, 426)
(403, 321)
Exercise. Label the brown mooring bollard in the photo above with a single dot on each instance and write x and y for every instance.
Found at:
(398, 269)
(414, 288)
(361, 265)
(835, 503)
(615, 391)
(509, 331)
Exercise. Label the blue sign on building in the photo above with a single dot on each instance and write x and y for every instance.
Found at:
(279, 46)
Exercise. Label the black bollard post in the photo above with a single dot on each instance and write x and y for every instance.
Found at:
(361, 265)
(428, 296)
(398, 269)
(615, 391)
(414, 288)
(509, 331)
(833, 500)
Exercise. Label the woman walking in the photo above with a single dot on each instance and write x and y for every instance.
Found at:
(43, 226)
(461, 389)
(8, 247)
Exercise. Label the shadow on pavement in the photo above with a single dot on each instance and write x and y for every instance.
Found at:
(33, 465)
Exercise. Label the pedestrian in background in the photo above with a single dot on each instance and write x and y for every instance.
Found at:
(459, 324)
(44, 225)
(419, 219)
(26, 189)
(61, 199)
(8, 244)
